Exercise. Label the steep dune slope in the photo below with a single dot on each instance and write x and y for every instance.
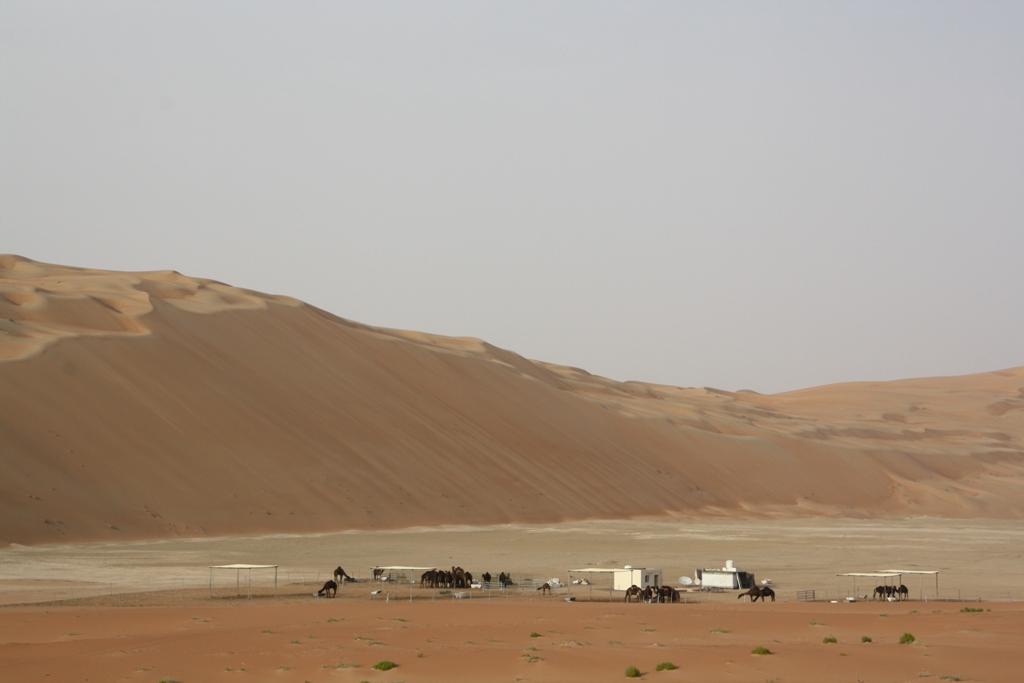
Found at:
(148, 404)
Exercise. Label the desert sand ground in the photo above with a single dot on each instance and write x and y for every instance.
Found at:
(181, 633)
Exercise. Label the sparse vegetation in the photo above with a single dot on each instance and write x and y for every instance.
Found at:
(829, 639)
(384, 665)
(632, 672)
(907, 639)
(949, 677)
(717, 629)
(865, 639)
(666, 666)
(534, 634)
(530, 659)
(341, 665)
(972, 609)
(760, 650)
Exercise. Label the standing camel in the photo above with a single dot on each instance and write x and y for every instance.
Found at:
(754, 593)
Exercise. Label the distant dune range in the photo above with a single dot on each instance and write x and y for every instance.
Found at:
(141, 405)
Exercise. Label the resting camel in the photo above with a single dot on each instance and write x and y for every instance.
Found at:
(340, 576)
(329, 590)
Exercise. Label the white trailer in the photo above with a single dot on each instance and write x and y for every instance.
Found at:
(728, 577)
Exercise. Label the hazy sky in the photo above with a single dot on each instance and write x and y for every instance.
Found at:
(762, 195)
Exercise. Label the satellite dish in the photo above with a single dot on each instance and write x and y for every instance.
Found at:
(686, 580)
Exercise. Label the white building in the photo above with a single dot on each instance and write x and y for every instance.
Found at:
(726, 577)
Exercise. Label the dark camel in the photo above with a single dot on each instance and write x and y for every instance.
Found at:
(545, 589)
(904, 594)
(340, 576)
(329, 590)
(756, 593)
(668, 594)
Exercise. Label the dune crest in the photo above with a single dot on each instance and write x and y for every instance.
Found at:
(152, 404)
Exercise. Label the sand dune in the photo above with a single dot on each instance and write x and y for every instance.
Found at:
(150, 404)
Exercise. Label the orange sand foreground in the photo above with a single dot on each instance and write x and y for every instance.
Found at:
(298, 638)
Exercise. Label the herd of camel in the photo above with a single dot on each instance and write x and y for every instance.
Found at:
(432, 578)
(458, 577)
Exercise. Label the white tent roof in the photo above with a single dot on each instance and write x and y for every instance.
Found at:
(879, 575)
(599, 570)
(243, 566)
(909, 571)
(406, 568)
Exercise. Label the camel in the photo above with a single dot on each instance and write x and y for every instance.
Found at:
(766, 593)
(377, 572)
(429, 578)
(903, 593)
(505, 579)
(486, 576)
(668, 594)
(329, 590)
(754, 593)
(633, 592)
(649, 594)
(340, 576)
(545, 589)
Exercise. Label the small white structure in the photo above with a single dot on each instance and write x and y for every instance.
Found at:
(728, 577)
(636, 576)
(622, 579)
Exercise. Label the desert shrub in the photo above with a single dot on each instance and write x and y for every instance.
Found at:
(907, 639)
(666, 666)
(972, 609)
(759, 650)
(829, 639)
(384, 665)
(865, 639)
(534, 634)
(632, 672)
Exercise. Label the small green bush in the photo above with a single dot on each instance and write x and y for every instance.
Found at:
(759, 650)
(666, 666)
(829, 639)
(534, 634)
(384, 665)
(907, 639)
(972, 609)
(632, 672)
(865, 639)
